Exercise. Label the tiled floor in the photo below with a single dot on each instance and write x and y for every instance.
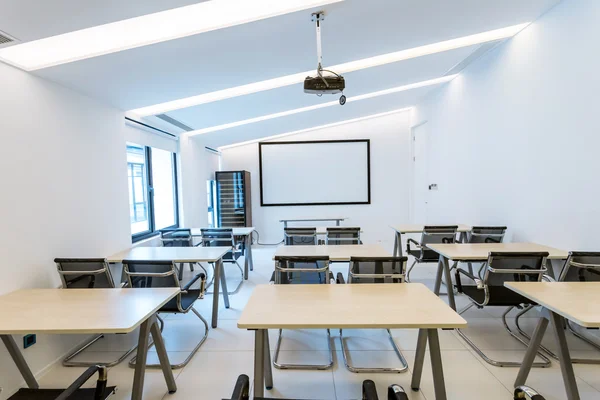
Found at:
(227, 353)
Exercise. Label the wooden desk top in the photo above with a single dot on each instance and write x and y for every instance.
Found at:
(576, 301)
(335, 252)
(79, 310)
(314, 219)
(479, 251)
(416, 228)
(398, 305)
(236, 231)
(176, 254)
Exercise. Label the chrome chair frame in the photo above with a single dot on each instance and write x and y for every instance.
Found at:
(355, 231)
(80, 349)
(482, 284)
(568, 324)
(429, 231)
(356, 276)
(181, 310)
(279, 270)
(234, 251)
(526, 393)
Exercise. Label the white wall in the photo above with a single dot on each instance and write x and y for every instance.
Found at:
(514, 140)
(390, 155)
(64, 193)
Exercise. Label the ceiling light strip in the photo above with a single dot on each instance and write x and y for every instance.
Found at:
(148, 29)
(314, 128)
(288, 80)
(322, 105)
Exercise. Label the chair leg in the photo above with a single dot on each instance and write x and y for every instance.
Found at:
(544, 364)
(357, 370)
(279, 365)
(68, 363)
(189, 357)
(407, 279)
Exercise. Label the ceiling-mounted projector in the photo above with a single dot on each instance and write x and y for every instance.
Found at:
(323, 84)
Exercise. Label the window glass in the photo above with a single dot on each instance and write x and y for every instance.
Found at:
(138, 189)
(163, 182)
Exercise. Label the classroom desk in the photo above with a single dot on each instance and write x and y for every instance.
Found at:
(575, 301)
(479, 252)
(184, 255)
(416, 228)
(366, 306)
(336, 253)
(337, 220)
(84, 311)
(246, 233)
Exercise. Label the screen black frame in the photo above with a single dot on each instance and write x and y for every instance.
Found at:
(260, 170)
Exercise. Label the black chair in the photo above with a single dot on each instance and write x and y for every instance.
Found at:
(87, 273)
(430, 235)
(581, 266)
(343, 235)
(223, 237)
(490, 291)
(73, 392)
(375, 270)
(163, 274)
(526, 393)
(302, 270)
(241, 391)
(485, 234)
(178, 238)
(300, 236)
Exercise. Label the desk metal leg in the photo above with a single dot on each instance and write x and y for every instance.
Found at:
(267, 362)
(566, 366)
(163, 357)
(216, 284)
(249, 251)
(259, 363)
(532, 350)
(438, 276)
(19, 360)
(224, 285)
(246, 257)
(337, 222)
(398, 245)
(140, 363)
(449, 286)
(419, 359)
(436, 364)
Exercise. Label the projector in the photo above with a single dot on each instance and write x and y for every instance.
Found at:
(324, 84)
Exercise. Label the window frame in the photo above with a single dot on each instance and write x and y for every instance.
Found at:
(151, 231)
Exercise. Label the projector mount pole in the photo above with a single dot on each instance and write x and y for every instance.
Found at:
(318, 17)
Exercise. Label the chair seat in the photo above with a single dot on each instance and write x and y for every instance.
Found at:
(428, 255)
(52, 394)
(499, 296)
(187, 300)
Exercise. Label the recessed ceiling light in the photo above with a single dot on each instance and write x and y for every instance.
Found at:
(314, 128)
(288, 80)
(148, 29)
(322, 105)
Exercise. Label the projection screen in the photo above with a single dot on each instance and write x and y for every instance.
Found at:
(327, 172)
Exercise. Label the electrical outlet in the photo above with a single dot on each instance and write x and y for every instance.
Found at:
(29, 340)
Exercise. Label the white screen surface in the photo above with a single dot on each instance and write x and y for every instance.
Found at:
(304, 173)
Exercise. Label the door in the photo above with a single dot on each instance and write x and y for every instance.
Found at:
(420, 173)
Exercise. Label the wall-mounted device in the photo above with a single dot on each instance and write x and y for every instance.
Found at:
(29, 340)
(323, 84)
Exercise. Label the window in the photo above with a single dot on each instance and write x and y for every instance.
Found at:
(152, 180)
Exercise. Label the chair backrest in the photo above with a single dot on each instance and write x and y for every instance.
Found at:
(78, 273)
(217, 237)
(343, 235)
(377, 269)
(308, 269)
(300, 236)
(581, 266)
(176, 238)
(487, 234)
(150, 274)
(438, 234)
(514, 267)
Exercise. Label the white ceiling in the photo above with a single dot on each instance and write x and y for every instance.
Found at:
(275, 47)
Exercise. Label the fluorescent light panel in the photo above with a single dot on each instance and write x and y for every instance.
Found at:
(314, 128)
(322, 105)
(288, 80)
(148, 29)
